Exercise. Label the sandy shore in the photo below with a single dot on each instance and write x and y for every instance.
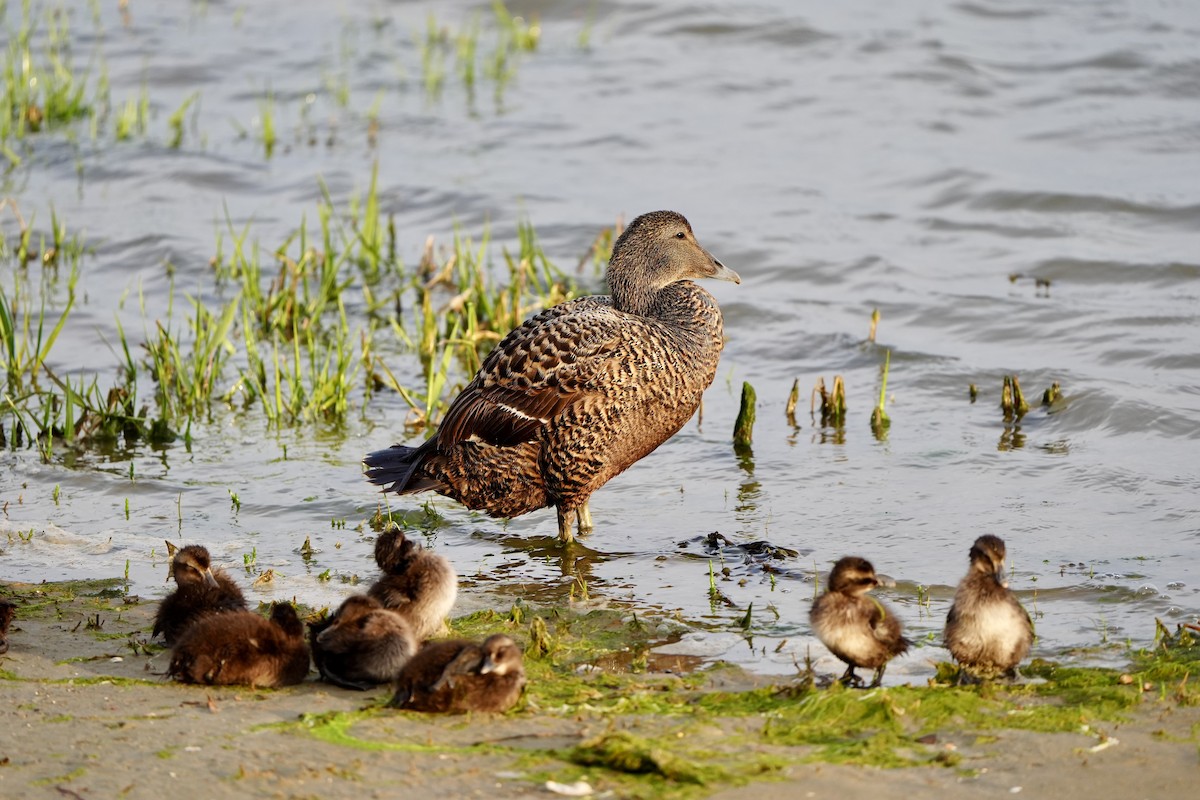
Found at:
(84, 715)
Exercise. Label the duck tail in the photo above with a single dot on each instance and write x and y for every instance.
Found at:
(395, 468)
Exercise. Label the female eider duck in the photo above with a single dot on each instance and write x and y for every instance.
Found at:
(987, 630)
(456, 676)
(200, 590)
(418, 583)
(580, 391)
(859, 630)
(243, 648)
(363, 644)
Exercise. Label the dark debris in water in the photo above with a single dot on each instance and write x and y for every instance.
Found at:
(716, 543)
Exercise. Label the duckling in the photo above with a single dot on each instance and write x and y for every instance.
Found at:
(580, 392)
(7, 612)
(456, 676)
(416, 582)
(200, 590)
(857, 629)
(240, 647)
(987, 630)
(362, 644)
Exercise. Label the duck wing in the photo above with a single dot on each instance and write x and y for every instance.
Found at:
(536, 372)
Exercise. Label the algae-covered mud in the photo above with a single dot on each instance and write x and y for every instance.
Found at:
(82, 689)
(243, 245)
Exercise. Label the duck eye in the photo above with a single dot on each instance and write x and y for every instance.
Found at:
(681, 235)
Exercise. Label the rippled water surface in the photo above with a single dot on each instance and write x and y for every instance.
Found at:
(1013, 185)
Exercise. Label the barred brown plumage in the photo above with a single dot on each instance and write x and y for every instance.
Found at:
(581, 391)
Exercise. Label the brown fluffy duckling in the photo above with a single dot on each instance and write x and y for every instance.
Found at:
(7, 612)
(200, 590)
(241, 647)
(418, 583)
(457, 676)
(987, 630)
(857, 629)
(363, 644)
(579, 392)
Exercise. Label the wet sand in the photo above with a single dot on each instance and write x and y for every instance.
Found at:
(83, 715)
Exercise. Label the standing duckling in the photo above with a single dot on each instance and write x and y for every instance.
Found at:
(456, 676)
(857, 629)
(240, 647)
(580, 392)
(418, 583)
(7, 612)
(362, 644)
(987, 630)
(200, 591)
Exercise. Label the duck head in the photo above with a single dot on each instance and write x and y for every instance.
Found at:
(394, 551)
(656, 250)
(987, 556)
(190, 566)
(501, 655)
(853, 576)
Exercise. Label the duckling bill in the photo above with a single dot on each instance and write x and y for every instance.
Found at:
(362, 645)
(456, 676)
(419, 584)
(859, 630)
(988, 631)
(200, 590)
(243, 648)
(579, 392)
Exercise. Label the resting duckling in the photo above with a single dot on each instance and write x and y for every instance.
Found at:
(7, 612)
(418, 583)
(200, 590)
(857, 629)
(362, 644)
(456, 676)
(987, 630)
(240, 647)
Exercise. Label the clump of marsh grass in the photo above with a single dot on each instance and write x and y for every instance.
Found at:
(880, 422)
(1012, 400)
(743, 428)
(832, 402)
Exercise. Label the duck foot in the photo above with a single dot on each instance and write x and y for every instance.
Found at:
(585, 519)
(565, 518)
(850, 679)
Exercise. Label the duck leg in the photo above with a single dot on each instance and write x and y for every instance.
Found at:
(585, 519)
(877, 678)
(849, 678)
(565, 518)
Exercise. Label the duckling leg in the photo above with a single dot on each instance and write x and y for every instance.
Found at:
(849, 678)
(877, 678)
(565, 518)
(585, 519)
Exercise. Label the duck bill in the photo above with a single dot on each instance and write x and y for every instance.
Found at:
(489, 666)
(722, 272)
(210, 579)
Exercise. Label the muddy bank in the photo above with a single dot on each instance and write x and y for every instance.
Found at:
(86, 713)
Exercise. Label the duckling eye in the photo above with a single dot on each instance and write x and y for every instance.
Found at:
(681, 235)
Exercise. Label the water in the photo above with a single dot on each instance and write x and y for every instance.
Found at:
(908, 157)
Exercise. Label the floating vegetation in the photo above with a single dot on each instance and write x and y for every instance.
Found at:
(1012, 401)
(1052, 395)
(832, 403)
(880, 422)
(743, 429)
(793, 399)
(874, 325)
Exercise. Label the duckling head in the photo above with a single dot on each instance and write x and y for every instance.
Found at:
(656, 250)
(190, 566)
(501, 655)
(394, 551)
(355, 614)
(987, 556)
(284, 616)
(853, 576)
